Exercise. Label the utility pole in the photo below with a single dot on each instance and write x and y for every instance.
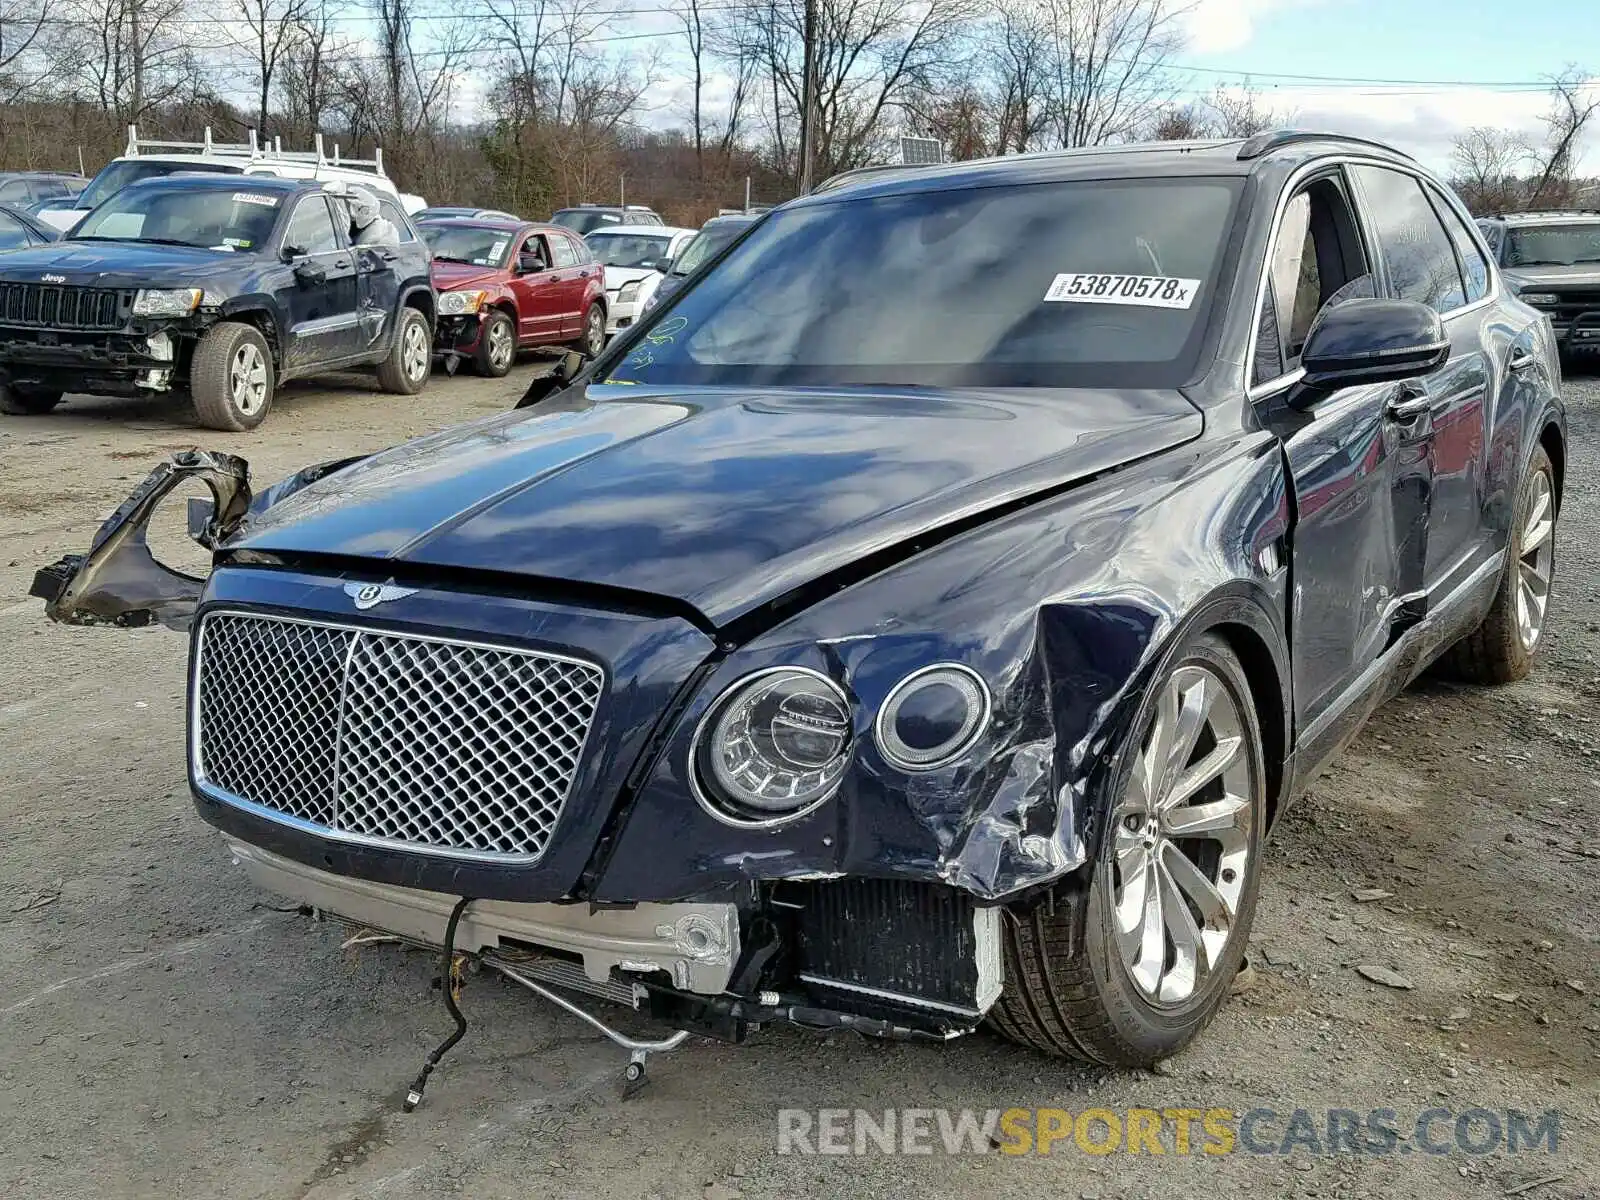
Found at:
(138, 60)
(808, 99)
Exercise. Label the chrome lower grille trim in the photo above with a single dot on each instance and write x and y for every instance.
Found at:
(451, 747)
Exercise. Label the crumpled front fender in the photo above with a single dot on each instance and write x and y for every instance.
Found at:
(120, 582)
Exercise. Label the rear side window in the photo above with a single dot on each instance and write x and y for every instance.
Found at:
(392, 214)
(310, 229)
(562, 253)
(1474, 267)
(1418, 251)
(580, 250)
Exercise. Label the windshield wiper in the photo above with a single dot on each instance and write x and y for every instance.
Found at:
(453, 258)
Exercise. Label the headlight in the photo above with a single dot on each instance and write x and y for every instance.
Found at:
(629, 292)
(166, 302)
(1540, 298)
(932, 717)
(458, 304)
(773, 747)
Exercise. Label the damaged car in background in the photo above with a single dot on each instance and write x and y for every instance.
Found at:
(220, 286)
(918, 619)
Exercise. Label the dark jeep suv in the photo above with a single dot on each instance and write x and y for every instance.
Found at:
(222, 286)
(1551, 260)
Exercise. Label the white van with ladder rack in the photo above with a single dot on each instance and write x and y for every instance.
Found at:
(146, 159)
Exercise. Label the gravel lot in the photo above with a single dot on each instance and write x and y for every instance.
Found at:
(162, 1032)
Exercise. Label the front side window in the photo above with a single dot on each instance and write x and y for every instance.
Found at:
(1421, 258)
(214, 218)
(391, 213)
(1083, 283)
(629, 249)
(310, 229)
(1553, 245)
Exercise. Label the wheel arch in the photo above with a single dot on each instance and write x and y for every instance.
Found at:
(265, 321)
(420, 297)
(1554, 444)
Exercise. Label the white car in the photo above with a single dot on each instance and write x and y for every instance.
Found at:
(243, 158)
(636, 259)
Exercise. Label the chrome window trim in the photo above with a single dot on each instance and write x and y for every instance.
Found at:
(1298, 179)
(201, 784)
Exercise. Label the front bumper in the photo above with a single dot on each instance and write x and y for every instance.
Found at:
(694, 945)
(119, 363)
(619, 313)
(458, 335)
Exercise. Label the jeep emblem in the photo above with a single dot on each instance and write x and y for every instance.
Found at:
(53, 278)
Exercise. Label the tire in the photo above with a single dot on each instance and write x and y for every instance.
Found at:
(1080, 997)
(593, 339)
(497, 346)
(404, 370)
(28, 402)
(232, 378)
(1501, 649)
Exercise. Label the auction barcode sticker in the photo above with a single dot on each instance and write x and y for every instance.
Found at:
(1150, 291)
(255, 198)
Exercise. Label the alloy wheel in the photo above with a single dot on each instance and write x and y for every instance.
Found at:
(1536, 560)
(247, 379)
(596, 331)
(1182, 840)
(414, 351)
(501, 345)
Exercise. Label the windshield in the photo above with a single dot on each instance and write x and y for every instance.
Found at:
(628, 249)
(211, 217)
(469, 244)
(706, 244)
(585, 220)
(1553, 245)
(118, 175)
(1092, 283)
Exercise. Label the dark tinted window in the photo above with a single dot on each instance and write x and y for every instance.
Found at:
(1553, 245)
(1474, 267)
(12, 233)
(1421, 259)
(585, 220)
(1043, 285)
(118, 175)
(311, 227)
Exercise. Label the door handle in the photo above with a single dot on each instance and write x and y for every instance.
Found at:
(1521, 359)
(341, 263)
(1409, 403)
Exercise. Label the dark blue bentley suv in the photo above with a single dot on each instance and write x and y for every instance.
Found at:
(920, 618)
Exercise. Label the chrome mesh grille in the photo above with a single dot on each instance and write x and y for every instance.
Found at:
(434, 744)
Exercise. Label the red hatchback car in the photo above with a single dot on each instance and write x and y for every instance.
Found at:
(507, 285)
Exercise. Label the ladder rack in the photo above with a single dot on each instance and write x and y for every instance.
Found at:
(255, 152)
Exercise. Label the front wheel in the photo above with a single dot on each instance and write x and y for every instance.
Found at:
(1174, 888)
(405, 369)
(231, 377)
(497, 346)
(27, 401)
(1501, 649)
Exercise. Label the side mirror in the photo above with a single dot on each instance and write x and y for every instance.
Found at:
(290, 253)
(530, 264)
(309, 274)
(1371, 341)
(665, 266)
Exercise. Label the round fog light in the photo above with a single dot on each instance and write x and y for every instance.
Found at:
(932, 717)
(773, 747)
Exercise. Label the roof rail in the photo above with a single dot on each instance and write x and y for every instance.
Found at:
(844, 177)
(1549, 212)
(253, 149)
(1275, 139)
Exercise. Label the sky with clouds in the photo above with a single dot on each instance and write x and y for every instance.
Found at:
(1498, 53)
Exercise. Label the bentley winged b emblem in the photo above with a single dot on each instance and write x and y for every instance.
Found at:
(367, 594)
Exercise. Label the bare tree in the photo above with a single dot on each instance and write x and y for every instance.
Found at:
(1490, 168)
(1241, 112)
(691, 16)
(130, 56)
(268, 29)
(22, 65)
(1018, 53)
(1108, 71)
(1573, 101)
(307, 71)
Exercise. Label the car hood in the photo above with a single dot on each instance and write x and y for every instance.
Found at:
(448, 276)
(720, 499)
(617, 276)
(117, 264)
(1583, 274)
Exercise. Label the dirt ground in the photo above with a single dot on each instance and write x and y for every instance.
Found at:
(164, 1032)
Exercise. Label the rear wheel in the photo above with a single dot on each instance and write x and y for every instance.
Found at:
(405, 369)
(28, 401)
(1501, 649)
(1174, 888)
(497, 346)
(231, 377)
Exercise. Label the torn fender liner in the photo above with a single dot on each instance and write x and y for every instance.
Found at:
(119, 582)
